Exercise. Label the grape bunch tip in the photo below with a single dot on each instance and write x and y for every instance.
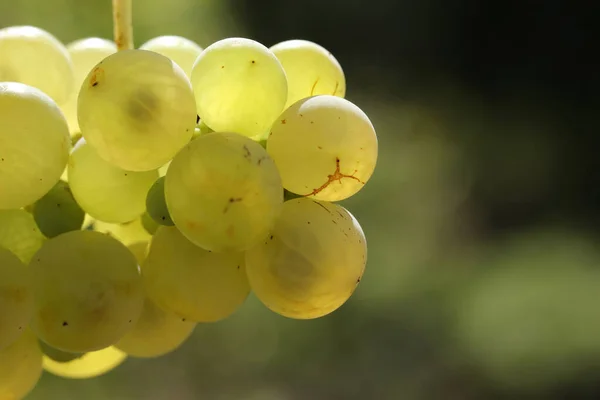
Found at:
(144, 191)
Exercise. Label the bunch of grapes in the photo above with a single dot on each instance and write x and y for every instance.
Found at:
(144, 191)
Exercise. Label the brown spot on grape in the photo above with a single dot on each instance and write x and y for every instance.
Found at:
(336, 176)
(247, 153)
(65, 323)
(271, 237)
(308, 222)
(253, 62)
(283, 121)
(96, 76)
(238, 267)
(130, 321)
(319, 147)
(358, 280)
(197, 118)
(230, 202)
(222, 66)
(183, 320)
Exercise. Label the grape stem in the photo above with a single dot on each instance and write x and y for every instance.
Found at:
(122, 27)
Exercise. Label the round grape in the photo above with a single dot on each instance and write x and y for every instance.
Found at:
(156, 204)
(182, 51)
(20, 234)
(20, 367)
(58, 212)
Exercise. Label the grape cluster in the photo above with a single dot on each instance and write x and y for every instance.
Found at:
(145, 191)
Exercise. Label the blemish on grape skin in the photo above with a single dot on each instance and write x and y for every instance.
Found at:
(336, 176)
(283, 121)
(319, 147)
(231, 201)
(312, 90)
(65, 323)
(96, 76)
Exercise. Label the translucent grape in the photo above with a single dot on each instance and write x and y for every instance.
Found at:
(126, 233)
(20, 367)
(36, 58)
(312, 261)
(34, 144)
(191, 282)
(149, 224)
(137, 109)
(324, 147)
(85, 54)
(239, 86)
(58, 212)
(88, 365)
(105, 191)
(310, 69)
(223, 192)
(20, 234)
(179, 49)
(88, 291)
(16, 298)
(156, 204)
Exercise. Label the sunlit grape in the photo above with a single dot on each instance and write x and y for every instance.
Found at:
(20, 367)
(179, 49)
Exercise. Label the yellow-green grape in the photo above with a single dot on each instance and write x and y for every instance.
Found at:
(127, 233)
(156, 205)
(34, 144)
(19, 234)
(137, 109)
(58, 212)
(20, 367)
(203, 128)
(240, 86)
(312, 261)
(223, 192)
(162, 171)
(88, 365)
(36, 58)
(310, 69)
(149, 224)
(193, 283)
(16, 298)
(325, 147)
(88, 291)
(179, 49)
(139, 251)
(105, 191)
(85, 54)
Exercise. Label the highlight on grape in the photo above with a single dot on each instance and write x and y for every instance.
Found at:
(144, 191)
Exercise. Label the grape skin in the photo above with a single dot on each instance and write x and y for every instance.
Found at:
(58, 212)
(182, 51)
(16, 298)
(156, 205)
(312, 261)
(34, 144)
(137, 109)
(193, 283)
(34, 57)
(325, 147)
(240, 86)
(20, 367)
(88, 365)
(88, 291)
(311, 70)
(105, 191)
(20, 234)
(223, 192)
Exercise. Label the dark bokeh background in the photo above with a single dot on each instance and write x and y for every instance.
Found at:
(483, 280)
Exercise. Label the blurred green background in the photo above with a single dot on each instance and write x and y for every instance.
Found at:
(482, 218)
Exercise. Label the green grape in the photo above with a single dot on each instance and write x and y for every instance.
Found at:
(34, 144)
(137, 109)
(85, 54)
(58, 355)
(312, 261)
(162, 171)
(203, 128)
(150, 226)
(88, 365)
(20, 234)
(179, 49)
(193, 283)
(127, 233)
(239, 87)
(310, 69)
(58, 212)
(105, 191)
(20, 367)
(325, 147)
(16, 298)
(36, 58)
(223, 192)
(156, 205)
(139, 250)
(88, 291)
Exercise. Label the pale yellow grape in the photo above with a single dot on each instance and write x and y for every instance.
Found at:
(16, 298)
(310, 69)
(89, 365)
(20, 367)
(179, 49)
(88, 291)
(34, 144)
(127, 233)
(223, 192)
(324, 147)
(85, 54)
(240, 86)
(137, 109)
(193, 283)
(20, 234)
(105, 191)
(312, 261)
(34, 57)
